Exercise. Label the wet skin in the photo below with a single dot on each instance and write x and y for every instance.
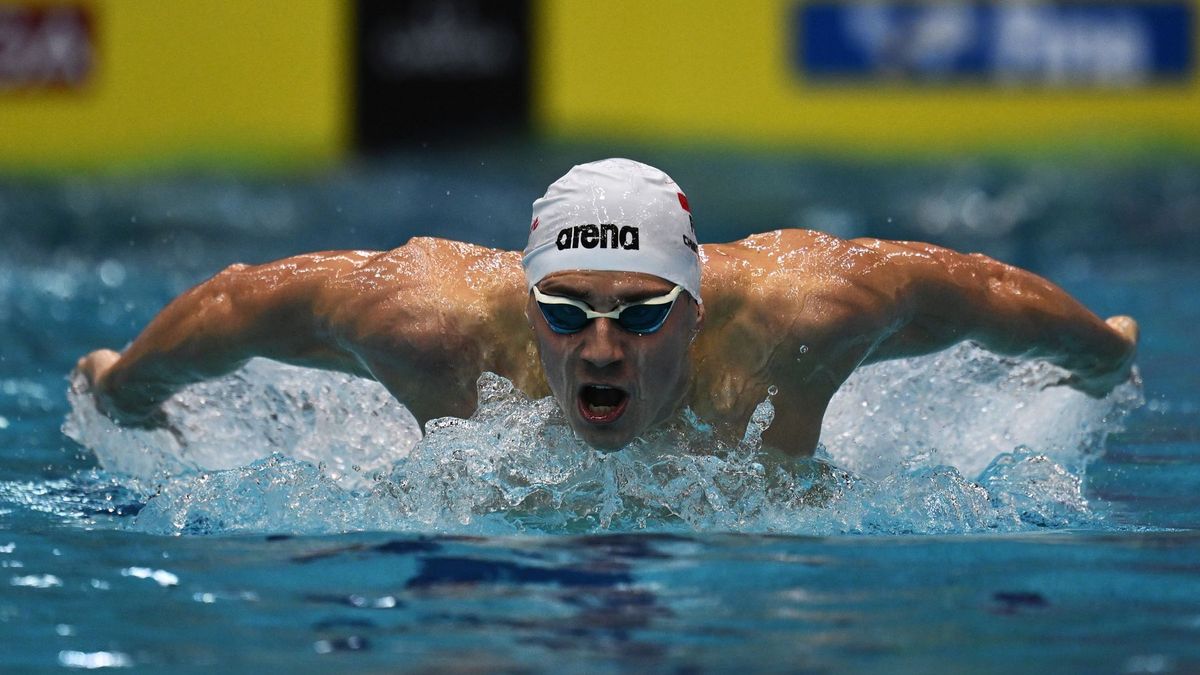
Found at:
(794, 309)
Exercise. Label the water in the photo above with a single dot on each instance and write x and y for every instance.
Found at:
(341, 455)
(961, 514)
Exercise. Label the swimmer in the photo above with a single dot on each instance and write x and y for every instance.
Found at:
(617, 311)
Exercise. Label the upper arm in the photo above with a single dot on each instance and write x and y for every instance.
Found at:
(241, 312)
(931, 296)
(273, 309)
(944, 297)
(850, 302)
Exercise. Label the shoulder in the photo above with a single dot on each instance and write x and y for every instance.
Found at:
(454, 269)
(804, 283)
(432, 258)
(791, 263)
(429, 286)
(786, 251)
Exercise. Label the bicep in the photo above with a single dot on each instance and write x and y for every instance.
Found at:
(274, 309)
(935, 297)
(948, 297)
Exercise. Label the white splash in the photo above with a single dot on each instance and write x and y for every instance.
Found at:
(957, 442)
(964, 407)
(349, 425)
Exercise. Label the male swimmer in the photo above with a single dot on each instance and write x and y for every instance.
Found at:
(617, 311)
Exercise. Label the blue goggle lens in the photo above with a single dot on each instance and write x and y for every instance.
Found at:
(635, 318)
(644, 318)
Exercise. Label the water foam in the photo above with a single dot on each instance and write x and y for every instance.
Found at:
(350, 426)
(960, 441)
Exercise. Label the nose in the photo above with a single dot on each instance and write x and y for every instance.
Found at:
(602, 345)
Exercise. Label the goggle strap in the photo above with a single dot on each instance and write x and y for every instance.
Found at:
(616, 313)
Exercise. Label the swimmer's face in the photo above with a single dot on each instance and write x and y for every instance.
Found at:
(613, 384)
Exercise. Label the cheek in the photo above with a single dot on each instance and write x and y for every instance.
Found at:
(660, 368)
(555, 358)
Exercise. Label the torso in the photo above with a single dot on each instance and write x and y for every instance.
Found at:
(780, 312)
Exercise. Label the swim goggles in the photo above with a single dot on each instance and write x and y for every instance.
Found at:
(566, 316)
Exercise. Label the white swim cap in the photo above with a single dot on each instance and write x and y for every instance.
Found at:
(614, 215)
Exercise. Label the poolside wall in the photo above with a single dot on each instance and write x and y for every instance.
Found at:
(133, 83)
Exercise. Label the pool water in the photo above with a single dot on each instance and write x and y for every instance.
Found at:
(961, 516)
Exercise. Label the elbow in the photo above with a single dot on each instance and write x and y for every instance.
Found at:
(231, 271)
(220, 297)
(985, 280)
(224, 283)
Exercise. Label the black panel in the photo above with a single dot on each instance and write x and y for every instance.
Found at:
(440, 70)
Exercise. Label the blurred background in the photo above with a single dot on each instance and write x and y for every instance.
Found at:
(1003, 126)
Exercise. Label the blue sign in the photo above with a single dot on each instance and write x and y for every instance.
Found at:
(1069, 44)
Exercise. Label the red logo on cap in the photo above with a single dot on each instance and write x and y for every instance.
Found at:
(683, 202)
(534, 225)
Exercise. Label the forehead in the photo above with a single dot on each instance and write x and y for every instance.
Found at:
(595, 285)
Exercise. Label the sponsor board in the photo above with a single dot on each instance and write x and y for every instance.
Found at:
(1093, 44)
(886, 77)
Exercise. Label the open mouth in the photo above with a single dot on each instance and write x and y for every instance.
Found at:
(600, 404)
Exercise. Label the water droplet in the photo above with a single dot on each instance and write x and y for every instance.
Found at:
(93, 660)
(803, 349)
(112, 273)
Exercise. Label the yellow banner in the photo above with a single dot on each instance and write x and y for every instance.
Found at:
(126, 83)
(735, 72)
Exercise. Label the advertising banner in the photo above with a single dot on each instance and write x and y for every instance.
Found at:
(1093, 44)
(124, 84)
(880, 77)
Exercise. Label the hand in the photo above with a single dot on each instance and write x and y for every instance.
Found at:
(1109, 376)
(95, 368)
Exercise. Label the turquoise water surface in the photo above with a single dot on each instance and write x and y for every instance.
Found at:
(961, 517)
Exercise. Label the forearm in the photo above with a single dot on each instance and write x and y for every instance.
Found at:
(212, 329)
(1023, 314)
